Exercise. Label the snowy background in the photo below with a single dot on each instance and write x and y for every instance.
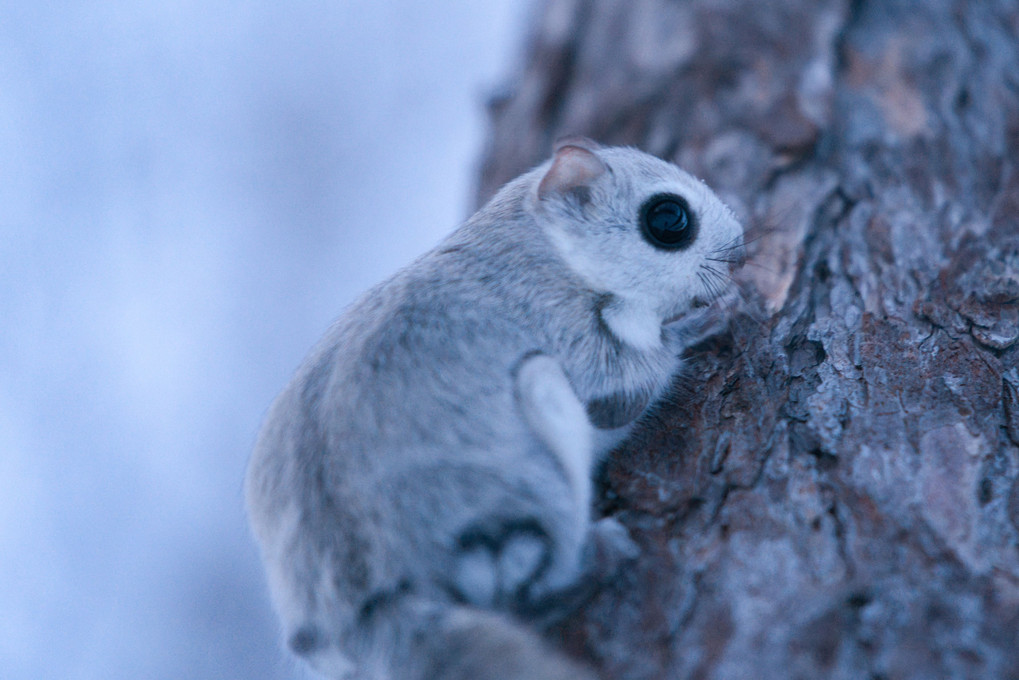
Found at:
(189, 193)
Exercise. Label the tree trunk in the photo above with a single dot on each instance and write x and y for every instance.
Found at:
(833, 492)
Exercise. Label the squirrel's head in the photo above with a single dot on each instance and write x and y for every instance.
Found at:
(636, 227)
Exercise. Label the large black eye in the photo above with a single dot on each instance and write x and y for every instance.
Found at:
(667, 222)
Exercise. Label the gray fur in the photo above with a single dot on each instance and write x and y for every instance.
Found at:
(431, 459)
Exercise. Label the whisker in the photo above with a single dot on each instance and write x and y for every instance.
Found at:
(762, 267)
(750, 310)
(700, 277)
(718, 283)
(715, 281)
(744, 263)
(745, 240)
(710, 286)
(732, 244)
(702, 274)
(714, 273)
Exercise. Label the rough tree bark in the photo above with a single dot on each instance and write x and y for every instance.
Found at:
(833, 493)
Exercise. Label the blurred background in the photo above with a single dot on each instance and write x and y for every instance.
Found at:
(189, 193)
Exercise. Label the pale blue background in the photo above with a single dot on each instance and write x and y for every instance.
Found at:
(189, 193)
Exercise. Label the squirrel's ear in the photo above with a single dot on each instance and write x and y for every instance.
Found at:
(573, 168)
(576, 140)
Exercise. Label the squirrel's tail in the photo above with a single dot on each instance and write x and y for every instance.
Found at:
(415, 639)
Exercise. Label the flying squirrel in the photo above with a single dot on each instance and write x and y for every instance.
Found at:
(422, 487)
